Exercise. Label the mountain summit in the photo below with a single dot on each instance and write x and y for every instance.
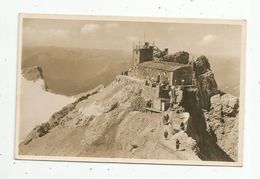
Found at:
(184, 118)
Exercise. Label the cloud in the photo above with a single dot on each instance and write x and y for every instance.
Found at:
(89, 29)
(56, 33)
(35, 36)
(207, 39)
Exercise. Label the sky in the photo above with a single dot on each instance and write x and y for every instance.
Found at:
(207, 39)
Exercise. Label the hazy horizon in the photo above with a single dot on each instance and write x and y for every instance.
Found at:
(57, 39)
(207, 39)
(125, 50)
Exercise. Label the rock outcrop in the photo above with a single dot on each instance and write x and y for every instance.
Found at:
(230, 105)
(205, 81)
(201, 65)
(222, 122)
(179, 57)
(34, 74)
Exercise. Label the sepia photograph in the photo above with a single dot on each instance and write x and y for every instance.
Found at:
(130, 89)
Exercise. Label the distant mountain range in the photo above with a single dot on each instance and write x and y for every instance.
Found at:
(70, 71)
(227, 73)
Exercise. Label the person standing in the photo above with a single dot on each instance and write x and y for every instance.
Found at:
(177, 144)
(165, 135)
(166, 119)
(182, 126)
(172, 95)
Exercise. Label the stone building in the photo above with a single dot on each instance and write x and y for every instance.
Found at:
(165, 72)
(161, 71)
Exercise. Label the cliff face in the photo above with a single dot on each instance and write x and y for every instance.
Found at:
(222, 122)
(214, 116)
(112, 122)
(200, 130)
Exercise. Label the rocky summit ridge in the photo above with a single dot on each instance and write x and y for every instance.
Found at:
(114, 122)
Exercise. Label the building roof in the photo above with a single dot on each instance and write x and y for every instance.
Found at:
(162, 65)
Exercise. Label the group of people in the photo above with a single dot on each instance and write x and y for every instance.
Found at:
(166, 121)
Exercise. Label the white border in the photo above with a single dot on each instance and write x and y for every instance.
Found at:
(242, 23)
